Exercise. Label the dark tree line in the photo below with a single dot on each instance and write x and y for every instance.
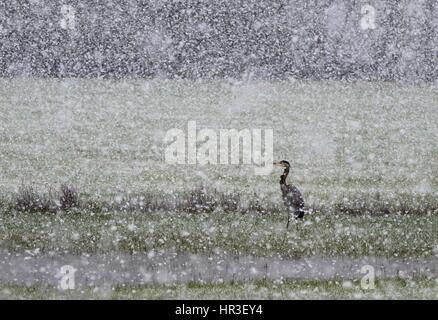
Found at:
(191, 39)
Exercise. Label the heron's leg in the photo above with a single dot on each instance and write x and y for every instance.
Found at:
(288, 218)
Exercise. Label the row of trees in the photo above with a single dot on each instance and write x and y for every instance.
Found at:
(327, 39)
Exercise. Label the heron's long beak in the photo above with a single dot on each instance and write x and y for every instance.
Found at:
(278, 164)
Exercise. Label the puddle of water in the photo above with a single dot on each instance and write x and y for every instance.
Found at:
(167, 268)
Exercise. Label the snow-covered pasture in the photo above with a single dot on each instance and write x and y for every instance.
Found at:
(351, 145)
(106, 138)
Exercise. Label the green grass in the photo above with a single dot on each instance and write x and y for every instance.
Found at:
(398, 288)
(358, 151)
(106, 137)
(203, 199)
(330, 235)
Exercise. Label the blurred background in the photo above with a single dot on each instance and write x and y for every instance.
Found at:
(328, 39)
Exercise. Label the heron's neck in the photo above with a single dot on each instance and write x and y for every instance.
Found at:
(284, 176)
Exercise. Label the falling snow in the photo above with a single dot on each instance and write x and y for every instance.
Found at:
(90, 89)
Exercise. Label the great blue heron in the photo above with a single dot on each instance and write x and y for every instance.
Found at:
(291, 195)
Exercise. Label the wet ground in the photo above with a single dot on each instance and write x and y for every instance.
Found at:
(166, 268)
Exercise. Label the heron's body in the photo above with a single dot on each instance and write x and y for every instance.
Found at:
(292, 197)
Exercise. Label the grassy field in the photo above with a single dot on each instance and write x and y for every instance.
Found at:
(106, 137)
(398, 288)
(221, 233)
(363, 154)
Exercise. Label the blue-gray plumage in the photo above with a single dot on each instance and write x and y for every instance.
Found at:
(292, 197)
